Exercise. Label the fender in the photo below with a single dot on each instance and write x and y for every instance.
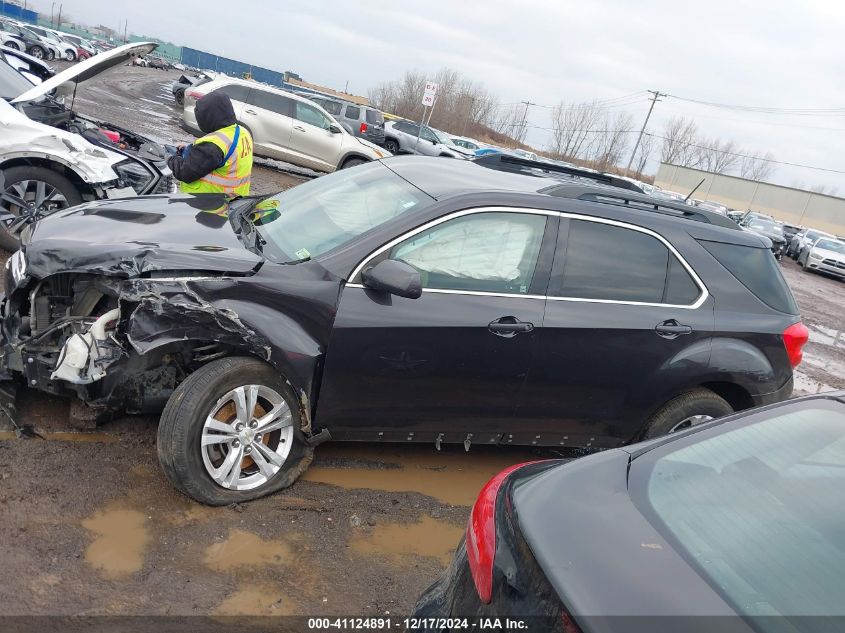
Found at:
(89, 177)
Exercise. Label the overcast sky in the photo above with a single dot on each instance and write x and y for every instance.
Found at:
(775, 54)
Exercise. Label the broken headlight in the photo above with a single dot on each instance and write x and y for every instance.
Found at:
(133, 175)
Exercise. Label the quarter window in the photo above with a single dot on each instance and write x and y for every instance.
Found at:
(234, 92)
(614, 263)
(353, 112)
(484, 252)
(270, 101)
(311, 115)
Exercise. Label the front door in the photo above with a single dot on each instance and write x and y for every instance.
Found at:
(626, 326)
(452, 363)
(312, 140)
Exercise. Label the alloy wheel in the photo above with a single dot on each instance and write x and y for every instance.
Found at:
(247, 437)
(690, 421)
(37, 53)
(32, 196)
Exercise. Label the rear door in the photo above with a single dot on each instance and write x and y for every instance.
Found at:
(453, 362)
(627, 324)
(311, 141)
(268, 115)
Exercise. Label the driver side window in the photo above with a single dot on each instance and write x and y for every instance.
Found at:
(311, 115)
(484, 252)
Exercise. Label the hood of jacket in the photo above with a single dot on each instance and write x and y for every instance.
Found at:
(215, 111)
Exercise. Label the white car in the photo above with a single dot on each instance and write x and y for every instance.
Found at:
(285, 126)
(825, 255)
(406, 137)
(74, 159)
(10, 40)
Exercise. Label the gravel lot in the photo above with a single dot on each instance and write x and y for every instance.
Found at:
(94, 528)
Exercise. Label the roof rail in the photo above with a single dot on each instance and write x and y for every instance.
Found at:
(516, 164)
(639, 201)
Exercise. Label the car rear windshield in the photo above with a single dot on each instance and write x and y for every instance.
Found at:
(756, 510)
(315, 217)
(374, 117)
(757, 270)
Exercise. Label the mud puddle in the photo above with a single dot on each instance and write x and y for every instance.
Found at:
(252, 599)
(245, 549)
(451, 476)
(403, 542)
(122, 538)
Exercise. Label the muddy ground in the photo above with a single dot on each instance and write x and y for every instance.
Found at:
(89, 525)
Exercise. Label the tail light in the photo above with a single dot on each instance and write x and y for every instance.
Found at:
(481, 534)
(363, 128)
(193, 94)
(794, 339)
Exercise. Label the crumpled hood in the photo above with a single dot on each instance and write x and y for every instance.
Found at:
(132, 236)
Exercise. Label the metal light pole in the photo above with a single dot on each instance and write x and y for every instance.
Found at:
(52, 8)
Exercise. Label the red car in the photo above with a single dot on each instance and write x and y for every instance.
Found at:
(82, 54)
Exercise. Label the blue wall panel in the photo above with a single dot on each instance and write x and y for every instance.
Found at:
(231, 67)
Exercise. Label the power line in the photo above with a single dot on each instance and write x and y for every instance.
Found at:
(837, 111)
(656, 94)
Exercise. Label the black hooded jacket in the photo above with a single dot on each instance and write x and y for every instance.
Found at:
(214, 111)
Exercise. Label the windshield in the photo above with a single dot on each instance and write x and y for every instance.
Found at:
(830, 245)
(12, 82)
(765, 225)
(756, 510)
(320, 215)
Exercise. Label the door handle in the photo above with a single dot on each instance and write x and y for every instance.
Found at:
(248, 111)
(672, 329)
(300, 128)
(509, 326)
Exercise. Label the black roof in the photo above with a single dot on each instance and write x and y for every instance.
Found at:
(443, 178)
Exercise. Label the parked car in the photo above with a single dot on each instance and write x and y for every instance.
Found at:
(82, 53)
(285, 126)
(404, 300)
(790, 231)
(32, 43)
(718, 521)
(826, 256)
(364, 121)
(81, 43)
(400, 137)
(11, 41)
(33, 70)
(52, 158)
(66, 49)
(767, 227)
(803, 239)
(524, 154)
(715, 207)
(184, 82)
(466, 143)
(446, 140)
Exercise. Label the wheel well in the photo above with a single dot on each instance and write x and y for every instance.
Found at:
(346, 159)
(83, 187)
(736, 396)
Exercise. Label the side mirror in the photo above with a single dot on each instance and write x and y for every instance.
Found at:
(432, 141)
(395, 277)
(334, 129)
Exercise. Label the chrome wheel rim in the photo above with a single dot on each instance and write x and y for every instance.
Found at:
(37, 53)
(247, 437)
(32, 196)
(691, 421)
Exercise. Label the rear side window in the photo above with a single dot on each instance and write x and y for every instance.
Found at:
(408, 128)
(374, 117)
(757, 270)
(353, 112)
(271, 101)
(234, 92)
(332, 107)
(613, 263)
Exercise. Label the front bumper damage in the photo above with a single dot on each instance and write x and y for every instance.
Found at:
(117, 344)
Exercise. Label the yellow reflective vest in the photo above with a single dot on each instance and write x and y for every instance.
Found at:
(233, 176)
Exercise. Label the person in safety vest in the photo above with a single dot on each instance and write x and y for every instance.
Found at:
(220, 161)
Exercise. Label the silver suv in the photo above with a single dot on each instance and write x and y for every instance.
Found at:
(401, 137)
(363, 121)
(285, 126)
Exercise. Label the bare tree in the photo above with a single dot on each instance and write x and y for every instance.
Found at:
(644, 151)
(609, 143)
(757, 166)
(572, 126)
(717, 157)
(679, 138)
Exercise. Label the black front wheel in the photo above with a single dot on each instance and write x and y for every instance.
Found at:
(34, 190)
(689, 409)
(391, 146)
(231, 433)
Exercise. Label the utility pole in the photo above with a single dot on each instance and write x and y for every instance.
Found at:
(59, 20)
(654, 99)
(528, 104)
(125, 27)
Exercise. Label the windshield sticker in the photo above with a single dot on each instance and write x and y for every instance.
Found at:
(303, 253)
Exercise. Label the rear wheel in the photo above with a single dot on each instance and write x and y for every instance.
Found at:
(70, 55)
(685, 411)
(352, 162)
(34, 190)
(50, 56)
(230, 433)
(391, 146)
(180, 97)
(37, 52)
(12, 45)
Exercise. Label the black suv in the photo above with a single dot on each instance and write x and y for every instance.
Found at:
(495, 301)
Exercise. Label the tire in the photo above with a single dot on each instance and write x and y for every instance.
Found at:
(391, 146)
(50, 56)
(352, 162)
(21, 180)
(187, 463)
(37, 52)
(676, 414)
(12, 45)
(70, 56)
(180, 97)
